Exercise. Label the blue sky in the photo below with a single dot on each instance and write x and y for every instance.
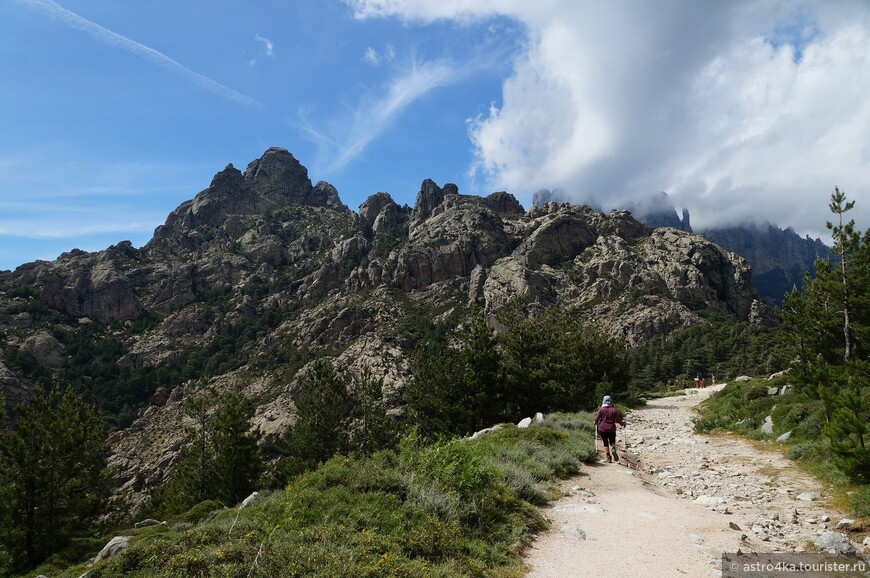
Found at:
(113, 113)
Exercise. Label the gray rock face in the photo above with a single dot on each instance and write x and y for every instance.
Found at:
(461, 233)
(87, 284)
(273, 181)
(45, 348)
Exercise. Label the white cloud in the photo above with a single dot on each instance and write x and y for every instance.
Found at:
(373, 115)
(106, 36)
(375, 58)
(268, 46)
(371, 56)
(750, 108)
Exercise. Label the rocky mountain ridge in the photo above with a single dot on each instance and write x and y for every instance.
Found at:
(262, 272)
(779, 257)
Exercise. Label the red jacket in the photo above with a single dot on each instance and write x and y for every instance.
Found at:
(607, 418)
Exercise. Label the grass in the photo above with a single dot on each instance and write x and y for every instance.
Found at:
(451, 508)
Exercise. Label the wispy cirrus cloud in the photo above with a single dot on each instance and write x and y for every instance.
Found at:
(106, 36)
(375, 58)
(374, 115)
(91, 221)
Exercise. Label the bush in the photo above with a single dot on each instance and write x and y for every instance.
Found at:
(199, 512)
(452, 508)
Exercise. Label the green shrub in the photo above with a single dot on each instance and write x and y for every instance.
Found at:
(451, 508)
(199, 512)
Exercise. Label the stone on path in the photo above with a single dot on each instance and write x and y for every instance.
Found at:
(831, 540)
(709, 501)
(575, 532)
(809, 496)
(844, 524)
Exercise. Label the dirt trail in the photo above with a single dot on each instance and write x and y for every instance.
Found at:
(671, 506)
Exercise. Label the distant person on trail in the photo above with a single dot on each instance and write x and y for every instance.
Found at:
(605, 422)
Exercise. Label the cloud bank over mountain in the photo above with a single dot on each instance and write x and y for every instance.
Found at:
(746, 109)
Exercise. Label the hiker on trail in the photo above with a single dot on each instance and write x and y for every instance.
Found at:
(605, 422)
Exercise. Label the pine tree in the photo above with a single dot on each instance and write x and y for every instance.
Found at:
(436, 398)
(54, 461)
(829, 322)
(238, 462)
(222, 459)
(372, 428)
(323, 410)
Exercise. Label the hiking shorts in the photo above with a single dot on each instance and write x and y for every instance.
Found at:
(608, 437)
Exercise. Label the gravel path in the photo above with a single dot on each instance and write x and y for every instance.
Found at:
(676, 501)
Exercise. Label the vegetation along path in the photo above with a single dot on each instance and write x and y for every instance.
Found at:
(677, 500)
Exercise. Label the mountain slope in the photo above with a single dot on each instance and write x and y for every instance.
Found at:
(262, 272)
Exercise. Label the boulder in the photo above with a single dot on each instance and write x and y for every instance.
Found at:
(47, 350)
(767, 425)
(114, 546)
(487, 430)
(250, 500)
(525, 422)
(146, 523)
(834, 541)
(742, 379)
(783, 437)
(709, 501)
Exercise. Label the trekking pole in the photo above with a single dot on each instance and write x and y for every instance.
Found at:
(596, 441)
